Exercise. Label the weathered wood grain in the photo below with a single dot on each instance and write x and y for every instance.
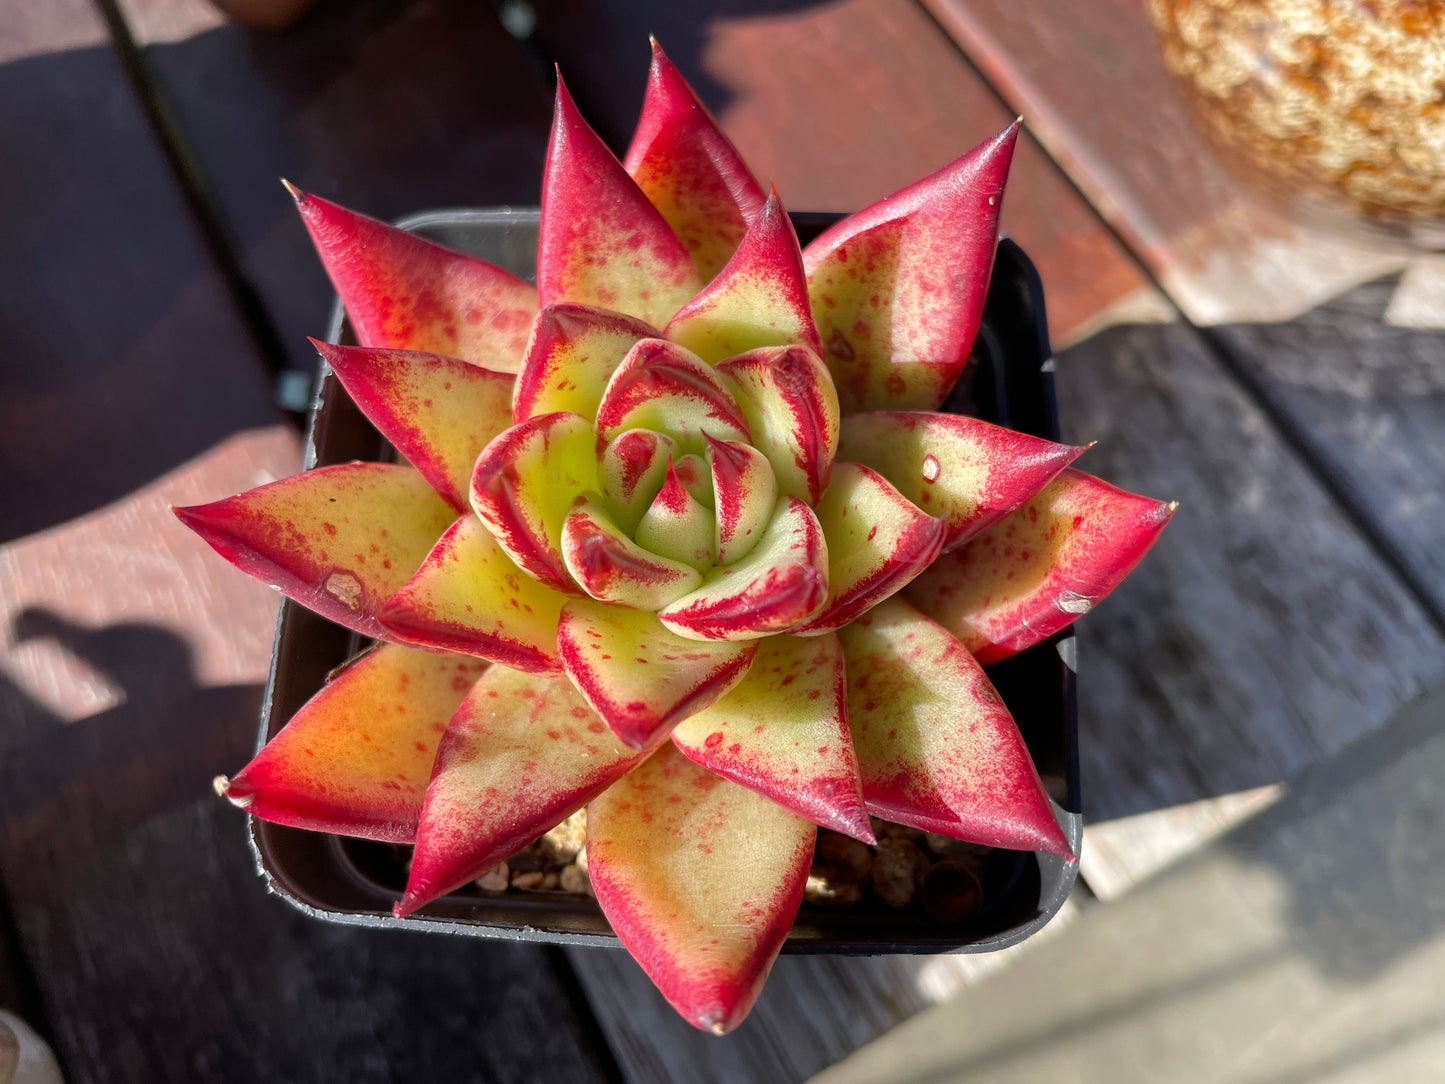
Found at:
(1261, 632)
(814, 1011)
(386, 107)
(131, 670)
(122, 353)
(839, 104)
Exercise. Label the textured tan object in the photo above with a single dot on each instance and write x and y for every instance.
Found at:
(1344, 99)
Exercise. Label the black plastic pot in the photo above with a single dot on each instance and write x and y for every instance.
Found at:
(356, 882)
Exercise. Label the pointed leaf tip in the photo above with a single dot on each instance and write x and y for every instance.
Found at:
(689, 170)
(297, 194)
(899, 287)
(601, 241)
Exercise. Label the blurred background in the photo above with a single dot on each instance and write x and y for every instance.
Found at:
(1234, 206)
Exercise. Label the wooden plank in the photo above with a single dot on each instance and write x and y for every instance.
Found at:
(1364, 401)
(840, 105)
(131, 670)
(123, 353)
(1262, 632)
(815, 1011)
(388, 108)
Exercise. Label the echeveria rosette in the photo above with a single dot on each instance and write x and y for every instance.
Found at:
(681, 539)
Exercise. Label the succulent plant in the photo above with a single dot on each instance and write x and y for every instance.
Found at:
(680, 540)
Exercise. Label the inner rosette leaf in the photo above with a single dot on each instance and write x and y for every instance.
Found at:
(665, 388)
(524, 485)
(611, 567)
(679, 526)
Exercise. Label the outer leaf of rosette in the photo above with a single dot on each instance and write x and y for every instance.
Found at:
(666, 388)
(640, 677)
(438, 412)
(968, 471)
(571, 354)
(523, 487)
(700, 878)
(356, 758)
(338, 540)
(1040, 567)
(602, 243)
(469, 597)
(783, 732)
(779, 585)
(406, 293)
(690, 171)
(877, 543)
(937, 749)
(611, 567)
(759, 299)
(522, 753)
(791, 408)
(898, 288)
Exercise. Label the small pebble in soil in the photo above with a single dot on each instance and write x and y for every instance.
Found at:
(531, 879)
(495, 879)
(820, 889)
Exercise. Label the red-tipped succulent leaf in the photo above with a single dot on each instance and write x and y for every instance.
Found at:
(898, 288)
(779, 585)
(936, 747)
(356, 759)
(522, 753)
(791, 408)
(640, 677)
(700, 878)
(759, 299)
(339, 540)
(438, 412)
(570, 356)
(969, 471)
(877, 543)
(668, 389)
(406, 293)
(690, 171)
(602, 242)
(523, 487)
(1038, 569)
(783, 732)
(469, 597)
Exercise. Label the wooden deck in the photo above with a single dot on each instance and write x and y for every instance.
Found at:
(155, 281)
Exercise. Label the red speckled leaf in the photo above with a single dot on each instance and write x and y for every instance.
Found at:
(523, 487)
(439, 412)
(759, 299)
(936, 747)
(679, 526)
(339, 540)
(611, 567)
(745, 492)
(971, 472)
(666, 388)
(637, 675)
(632, 468)
(356, 759)
(602, 242)
(779, 585)
(700, 878)
(898, 288)
(522, 753)
(690, 171)
(468, 596)
(783, 732)
(791, 407)
(406, 293)
(570, 356)
(877, 543)
(1037, 569)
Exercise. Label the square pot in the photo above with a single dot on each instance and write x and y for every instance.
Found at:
(355, 882)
